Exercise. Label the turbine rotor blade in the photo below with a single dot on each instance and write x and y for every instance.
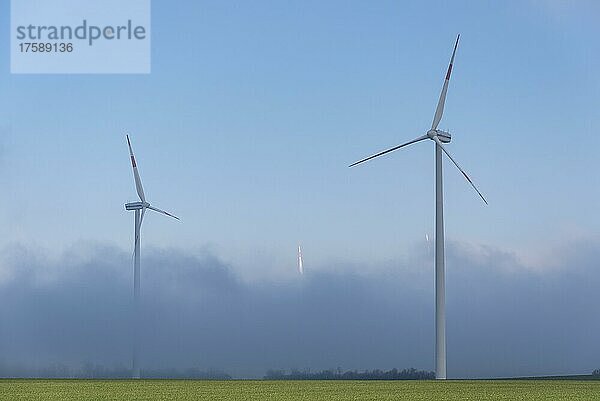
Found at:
(439, 111)
(421, 138)
(142, 217)
(163, 212)
(136, 174)
(439, 143)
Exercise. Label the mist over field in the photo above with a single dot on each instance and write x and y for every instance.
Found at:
(505, 318)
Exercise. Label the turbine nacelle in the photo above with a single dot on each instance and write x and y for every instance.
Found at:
(443, 136)
(136, 205)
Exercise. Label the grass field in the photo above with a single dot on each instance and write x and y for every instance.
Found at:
(248, 390)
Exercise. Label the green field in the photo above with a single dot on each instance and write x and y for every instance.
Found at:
(247, 390)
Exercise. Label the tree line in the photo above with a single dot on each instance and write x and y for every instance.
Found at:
(377, 374)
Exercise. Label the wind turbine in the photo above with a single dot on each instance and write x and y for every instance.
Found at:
(439, 137)
(300, 263)
(139, 218)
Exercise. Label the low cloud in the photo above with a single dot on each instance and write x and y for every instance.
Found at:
(504, 319)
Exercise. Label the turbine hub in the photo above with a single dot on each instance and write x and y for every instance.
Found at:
(443, 136)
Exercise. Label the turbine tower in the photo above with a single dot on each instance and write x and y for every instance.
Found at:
(140, 210)
(439, 137)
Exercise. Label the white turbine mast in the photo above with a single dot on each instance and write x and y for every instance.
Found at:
(439, 137)
(142, 205)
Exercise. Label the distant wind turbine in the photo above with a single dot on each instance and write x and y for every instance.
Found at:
(300, 262)
(139, 218)
(439, 137)
(428, 244)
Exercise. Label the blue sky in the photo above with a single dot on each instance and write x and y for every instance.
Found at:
(253, 111)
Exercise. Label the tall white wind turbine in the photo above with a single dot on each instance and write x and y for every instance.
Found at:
(140, 211)
(439, 137)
